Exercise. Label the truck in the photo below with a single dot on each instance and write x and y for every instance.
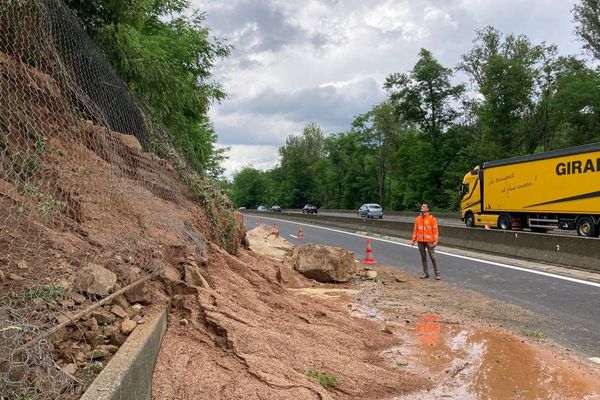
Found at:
(557, 189)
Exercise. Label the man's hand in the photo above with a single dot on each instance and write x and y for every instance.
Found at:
(414, 242)
(435, 244)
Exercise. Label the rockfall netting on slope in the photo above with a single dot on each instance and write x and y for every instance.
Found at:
(81, 196)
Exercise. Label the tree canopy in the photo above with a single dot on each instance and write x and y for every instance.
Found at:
(166, 56)
(416, 145)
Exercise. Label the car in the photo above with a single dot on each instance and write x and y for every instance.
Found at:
(370, 210)
(261, 209)
(242, 209)
(309, 209)
(276, 209)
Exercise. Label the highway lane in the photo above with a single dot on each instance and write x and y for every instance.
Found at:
(444, 220)
(571, 307)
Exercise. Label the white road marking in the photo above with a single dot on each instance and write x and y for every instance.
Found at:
(595, 359)
(295, 237)
(532, 271)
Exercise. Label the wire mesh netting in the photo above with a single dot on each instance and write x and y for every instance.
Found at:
(76, 184)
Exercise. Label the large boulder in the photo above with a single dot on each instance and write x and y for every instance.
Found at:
(323, 263)
(94, 280)
(265, 240)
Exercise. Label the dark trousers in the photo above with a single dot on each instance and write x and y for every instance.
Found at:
(425, 247)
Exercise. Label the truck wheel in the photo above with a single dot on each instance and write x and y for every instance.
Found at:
(470, 220)
(504, 222)
(586, 227)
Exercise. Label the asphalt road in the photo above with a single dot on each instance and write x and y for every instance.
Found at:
(570, 307)
(443, 220)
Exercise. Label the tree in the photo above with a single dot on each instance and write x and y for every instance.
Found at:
(166, 56)
(587, 25)
(504, 71)
(425, 96)
(249, 188)
(302, 166)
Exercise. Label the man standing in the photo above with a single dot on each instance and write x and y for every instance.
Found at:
(425, 234)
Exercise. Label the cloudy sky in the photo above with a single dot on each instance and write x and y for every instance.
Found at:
(325, 61)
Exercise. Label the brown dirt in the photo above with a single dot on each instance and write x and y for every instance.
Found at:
(249, 337)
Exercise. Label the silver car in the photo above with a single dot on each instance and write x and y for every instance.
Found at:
(370, 210)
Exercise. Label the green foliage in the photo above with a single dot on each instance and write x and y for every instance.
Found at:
(48, 293)
(417, 145)
(587, 25)
(325, 380)
(166, 56)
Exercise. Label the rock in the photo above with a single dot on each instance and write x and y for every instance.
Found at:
(141, 322)
(183, 321)
(400, 279)
(388, 329)
(70, 369)
(94, 280)
(137, 307)
(129, 260)
(138, 294)
(134, 310)
(121, 300)
(92, 324)
(130, 141)
(324, 263)
(9, 190)
(22, 264)
(103, 317)
(117, 339)
(264, 240)
(62, 319)
(77, 298)
(79, 357)
(193, 277)
(15, 277)
(288, 277)
(102, 351)
(371, 275)
(127, 326)
(66, 303)
(129, 273)
(137, 319)
(118, 311)
(170, 274)
(2, 276)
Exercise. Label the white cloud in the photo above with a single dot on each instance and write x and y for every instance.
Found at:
(326, 60)
(256, 156)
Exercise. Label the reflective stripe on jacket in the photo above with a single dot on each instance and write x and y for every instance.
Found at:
(426, 229)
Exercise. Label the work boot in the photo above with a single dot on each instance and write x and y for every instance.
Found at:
(424, 276)
(437, 277)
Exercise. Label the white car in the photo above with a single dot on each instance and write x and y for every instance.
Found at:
(370, 210)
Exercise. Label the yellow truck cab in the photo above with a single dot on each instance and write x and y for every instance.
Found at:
(553, 190)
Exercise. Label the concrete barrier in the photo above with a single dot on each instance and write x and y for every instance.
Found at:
(450, 216)
(128, 375)
(569, 251)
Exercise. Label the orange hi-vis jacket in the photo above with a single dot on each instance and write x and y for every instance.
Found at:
(426, 229)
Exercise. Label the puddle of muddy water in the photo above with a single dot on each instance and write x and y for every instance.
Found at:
(469, 363)
(466, 362)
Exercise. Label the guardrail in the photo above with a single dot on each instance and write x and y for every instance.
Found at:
(578, 252)
(455, 215)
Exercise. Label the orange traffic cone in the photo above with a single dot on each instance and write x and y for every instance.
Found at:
(300, 232)
(369, 254)
(276, 229)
